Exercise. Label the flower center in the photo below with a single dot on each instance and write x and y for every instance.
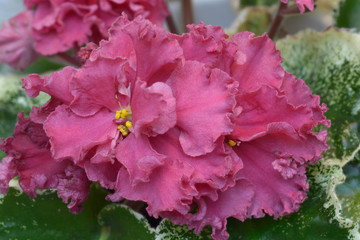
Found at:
(233, 143)
(123, 118)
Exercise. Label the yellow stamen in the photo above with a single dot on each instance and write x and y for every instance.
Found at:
(232, 143)
(123, 129)
(124, 134)
(124, 113)
(118, 114)
(128, 124)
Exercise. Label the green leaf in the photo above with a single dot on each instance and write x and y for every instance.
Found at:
(14, 100)
(348, 15)
(120, 222)
(47, 217)
(42, 65)
(329, 63)
(168, 231)
(349, 192)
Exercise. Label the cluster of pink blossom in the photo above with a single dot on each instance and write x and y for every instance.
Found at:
(51, 26)
(199, 127)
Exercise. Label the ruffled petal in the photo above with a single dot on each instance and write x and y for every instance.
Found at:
(16, 43)
(234, 202)
(204, 107)
(138, 157)
(157, 55)
(94, 89)
(105, 173)
(40, 114)
(204, 43)
(299, 94)
(72, 136)
(58, 28)
(276, 164)
(153, 108)
(309, 4)
(211, 172)
(103, 167)
(57, 84)
(74, 186)
(256, 62)
(258, 112)
(173, 196)
(149, 177)
(7, 172)
(29, 156)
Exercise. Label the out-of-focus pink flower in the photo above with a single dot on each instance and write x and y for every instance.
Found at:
(53, 26)
(60, 25)
(185, 122)
(16, 43)
(309, 4)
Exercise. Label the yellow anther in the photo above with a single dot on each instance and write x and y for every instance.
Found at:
(232, 143)
(124, 130)
(118, 114)
(128, 124)
(124, 113)
(124, 133)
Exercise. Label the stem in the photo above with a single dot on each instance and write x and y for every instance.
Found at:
(171, 24)
(277, 20)
(187, 13)
(70, 59)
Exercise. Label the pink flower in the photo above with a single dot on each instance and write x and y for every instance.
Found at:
(125, 101)
(53, 26)
(29, 157)
(185, 122)
(60, 25)
(272, 135)
(309, 4)
(16, 43)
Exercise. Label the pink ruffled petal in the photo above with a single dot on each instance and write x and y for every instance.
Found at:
(234, 202)
(157, 55)
(7, 172)
(299, 94)
(138, 157)
(94, 89)
(162, 183)
(105, 173)
(103, 167)
(57, 84)
(74, 186)
(29, 157)
(58, 28)
(72, 136)
(153, 108)
(206, 44)
(16, 43)
(256, 62)
(40, 114)
(211, 172)
(204, 107)
(173, 196)
(258, 112)
(275, 164)
(309, 4)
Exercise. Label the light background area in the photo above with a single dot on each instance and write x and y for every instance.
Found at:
(9, 8)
